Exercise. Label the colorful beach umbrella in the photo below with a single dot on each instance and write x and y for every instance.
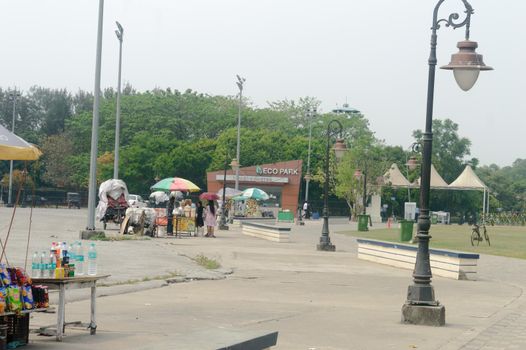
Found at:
(229, 192)
(13, 147)
(254, 193)
(175, 184)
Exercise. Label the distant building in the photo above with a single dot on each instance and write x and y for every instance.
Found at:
(346, 109)
(280, 180)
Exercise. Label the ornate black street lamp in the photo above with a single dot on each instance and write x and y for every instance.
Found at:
(421, 306)
(411, 164)
(339, 150)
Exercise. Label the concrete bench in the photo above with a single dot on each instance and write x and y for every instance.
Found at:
(238, 221)
(269, 232)
(445, 263)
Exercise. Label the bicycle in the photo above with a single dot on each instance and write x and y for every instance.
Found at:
(476, 237)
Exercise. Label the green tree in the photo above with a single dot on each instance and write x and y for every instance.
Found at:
(450, 151)
(57, 149)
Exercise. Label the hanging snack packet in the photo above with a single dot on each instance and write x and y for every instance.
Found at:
(2, 305)
(4, 275)
(27, 297)
(22, 277)
(12, 275)
(38, 296)
(13, 298)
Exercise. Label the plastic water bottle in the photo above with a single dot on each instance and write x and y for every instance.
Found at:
(92, 260)
(35, 266)
(44, 262)
(64, 250)
(79, 257)
(52, 265)
(71, 252)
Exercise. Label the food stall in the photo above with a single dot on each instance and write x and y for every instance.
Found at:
(19, 296)
(181, 223)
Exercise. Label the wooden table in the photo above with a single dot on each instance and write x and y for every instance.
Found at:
(63, 284)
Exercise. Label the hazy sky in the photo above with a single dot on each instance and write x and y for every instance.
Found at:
(372, 54)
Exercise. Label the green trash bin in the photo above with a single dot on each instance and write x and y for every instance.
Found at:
(363, 221)
(434, 219)
(285, 216)
(406, 230)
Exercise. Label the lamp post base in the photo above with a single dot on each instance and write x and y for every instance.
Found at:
(425, 315)
(328, 247)
(223, 227)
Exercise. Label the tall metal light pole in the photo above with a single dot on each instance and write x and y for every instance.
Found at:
(223, 222)
(339, 150)
(240, 81)
(13, 95)
(311, 113)
(421, 307)
(92, 190)
(119, 32)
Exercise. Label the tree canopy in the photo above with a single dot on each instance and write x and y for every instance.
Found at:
(166, 133)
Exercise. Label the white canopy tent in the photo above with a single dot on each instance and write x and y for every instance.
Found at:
(468, 180)
(436, 180)
(394, 178)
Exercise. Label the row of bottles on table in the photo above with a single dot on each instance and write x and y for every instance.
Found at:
(64, 261)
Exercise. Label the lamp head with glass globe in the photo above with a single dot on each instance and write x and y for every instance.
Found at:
(466, 64)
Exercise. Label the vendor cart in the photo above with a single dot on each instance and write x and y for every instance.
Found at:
(112, 202)
(115, 211)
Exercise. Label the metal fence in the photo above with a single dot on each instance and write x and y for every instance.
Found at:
(42, 197)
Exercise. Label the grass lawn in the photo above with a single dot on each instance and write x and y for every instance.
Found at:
(505, 240)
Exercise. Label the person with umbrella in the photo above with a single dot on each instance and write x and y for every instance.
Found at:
(210, 212)
(210, 219)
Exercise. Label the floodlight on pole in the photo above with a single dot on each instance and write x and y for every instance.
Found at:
(119, 32)
(92, 190)
(240, 81)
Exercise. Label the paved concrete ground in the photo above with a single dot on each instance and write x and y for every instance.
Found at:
(316, 300)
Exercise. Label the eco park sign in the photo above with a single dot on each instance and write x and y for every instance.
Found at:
(275, 171)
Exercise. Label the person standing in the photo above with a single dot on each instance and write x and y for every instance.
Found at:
(199, 222)
(306, 210)
(210, 219)
(170, 216)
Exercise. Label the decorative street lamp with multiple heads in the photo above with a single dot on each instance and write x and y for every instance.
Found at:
(310, 114)
(240, 81)
(411, 164)
(223, 222)
(119, 32)
(421, 307)
(339, 150)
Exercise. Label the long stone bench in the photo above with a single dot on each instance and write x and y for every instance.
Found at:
(269, 232)
(445, 263)
(238, 221)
